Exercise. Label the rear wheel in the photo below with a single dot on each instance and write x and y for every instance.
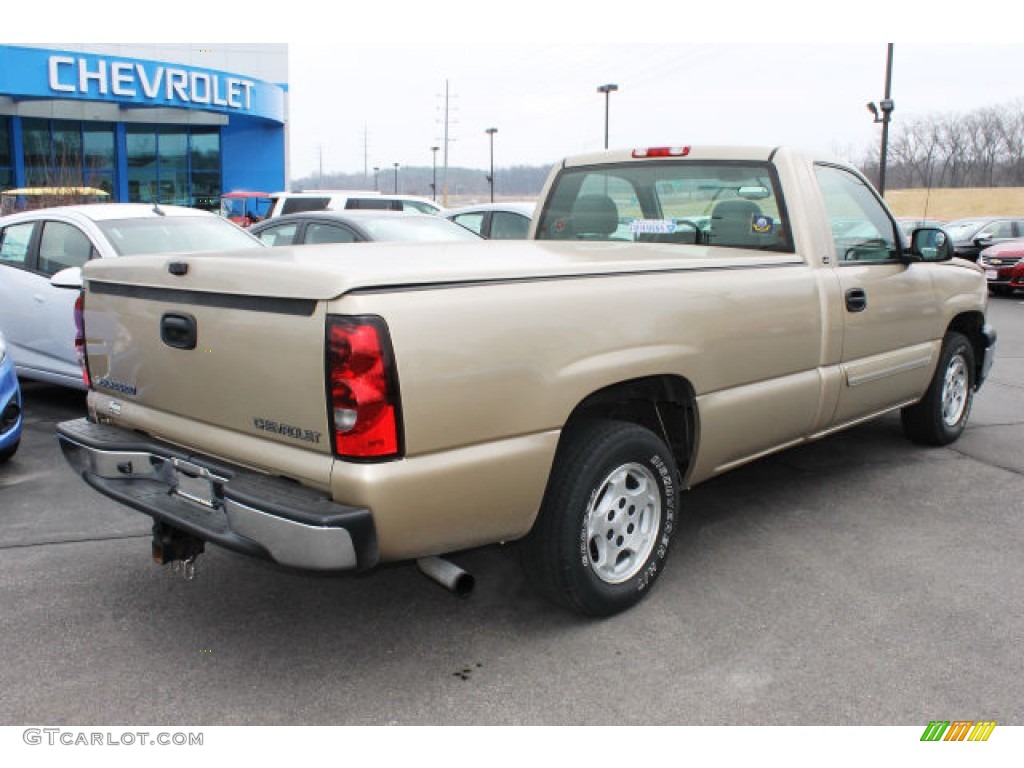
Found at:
(609, 512)
(942, 414)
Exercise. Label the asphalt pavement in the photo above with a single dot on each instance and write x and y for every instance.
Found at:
(861, 580)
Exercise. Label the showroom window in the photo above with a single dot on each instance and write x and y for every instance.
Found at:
(6, 156)
(173, 164)
(68, 153)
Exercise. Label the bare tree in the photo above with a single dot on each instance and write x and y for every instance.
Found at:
(984, 148)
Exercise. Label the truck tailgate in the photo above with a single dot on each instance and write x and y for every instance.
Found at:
(161, 346)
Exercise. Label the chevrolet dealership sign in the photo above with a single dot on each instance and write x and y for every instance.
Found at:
(34, 73)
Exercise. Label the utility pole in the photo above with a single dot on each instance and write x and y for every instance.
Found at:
(490, 179)
(433, 183)
(607, 90)
(886, 108)
(366, 152)
(444, 176)
(445, 140)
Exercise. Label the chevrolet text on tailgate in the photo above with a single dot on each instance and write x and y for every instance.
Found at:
(678, 312)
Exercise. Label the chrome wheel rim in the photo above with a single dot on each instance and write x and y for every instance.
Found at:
(621, 525)
(954, 391)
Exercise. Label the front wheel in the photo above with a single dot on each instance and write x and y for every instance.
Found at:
(604, 529)
(9, 451)
(942, 414)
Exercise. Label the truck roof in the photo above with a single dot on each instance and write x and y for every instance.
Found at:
(681, 151)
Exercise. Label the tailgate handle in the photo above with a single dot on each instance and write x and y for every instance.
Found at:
(178, 331)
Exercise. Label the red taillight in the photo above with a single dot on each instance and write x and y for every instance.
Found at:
(80, 337)
(361, 390)
(662, 152)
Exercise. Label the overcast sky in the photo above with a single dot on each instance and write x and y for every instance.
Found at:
(367, 78)
(374, 105)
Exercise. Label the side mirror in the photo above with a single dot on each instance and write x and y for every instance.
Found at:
(68, 278)
(931, 244)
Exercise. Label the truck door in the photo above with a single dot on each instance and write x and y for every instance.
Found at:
(889, 312)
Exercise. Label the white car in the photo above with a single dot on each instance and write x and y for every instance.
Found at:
(283, 203)
(495, 221)
(41, 255)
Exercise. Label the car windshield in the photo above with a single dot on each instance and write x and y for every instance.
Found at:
(425, 229)
(174, 234)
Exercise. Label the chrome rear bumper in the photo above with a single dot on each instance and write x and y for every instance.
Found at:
(230, 506)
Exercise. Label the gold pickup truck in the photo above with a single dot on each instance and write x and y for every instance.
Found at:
(678, 312)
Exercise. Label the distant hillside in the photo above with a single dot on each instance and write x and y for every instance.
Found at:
(467, 185)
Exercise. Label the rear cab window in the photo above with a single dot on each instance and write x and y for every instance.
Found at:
(732, 204)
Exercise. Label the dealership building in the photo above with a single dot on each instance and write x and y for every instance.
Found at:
(176, 124)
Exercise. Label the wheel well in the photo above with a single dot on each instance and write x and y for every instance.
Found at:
(666, 405)
(970, 325)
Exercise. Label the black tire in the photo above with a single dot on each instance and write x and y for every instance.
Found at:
(9, 451)
(605, 526)
(942, 414)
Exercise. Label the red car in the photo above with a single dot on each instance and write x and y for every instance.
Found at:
(1004, 266)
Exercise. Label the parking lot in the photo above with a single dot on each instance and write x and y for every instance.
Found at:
(859, 580)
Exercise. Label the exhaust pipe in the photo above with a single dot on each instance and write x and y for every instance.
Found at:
(447, 574)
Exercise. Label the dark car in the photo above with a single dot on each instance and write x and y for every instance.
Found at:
(318, 227)
(1004, 266)
(972, 235)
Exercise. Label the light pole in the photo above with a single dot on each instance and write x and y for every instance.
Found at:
(490, 179)
(885, 107)
(396, 178)
(376, 184)
(433, 184)
(606, 90)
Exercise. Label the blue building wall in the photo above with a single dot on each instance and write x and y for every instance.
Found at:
(244, 140)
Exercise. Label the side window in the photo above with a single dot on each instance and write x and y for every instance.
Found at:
(509, 226)
(14, 243)
(317, 233)
(474, 222)
(416, 205)
(62, 246)
(861, 229)
(997, 230)
(283, 234)
(303, 204)
(373, 204)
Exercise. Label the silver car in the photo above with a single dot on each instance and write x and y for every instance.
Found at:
(41, 255)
